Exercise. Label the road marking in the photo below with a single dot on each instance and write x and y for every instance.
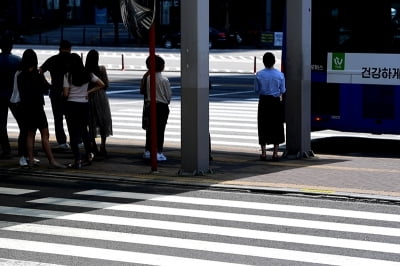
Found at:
(197, 228)
(103, 254)
(244, 204)
(214, 215)
(120, 91)
(9, 262)
(15, 191)
(218, 247)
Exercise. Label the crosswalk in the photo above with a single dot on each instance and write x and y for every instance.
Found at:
(232, 118)
(232, 123)
(112, 227)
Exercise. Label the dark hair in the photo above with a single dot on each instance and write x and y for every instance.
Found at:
(160, 63)
(269, 60)
(6, 45)
(64, 44)
(29, 59)
(92, 62)
(78, 74)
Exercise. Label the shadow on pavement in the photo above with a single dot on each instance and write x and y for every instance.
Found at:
(357, 146)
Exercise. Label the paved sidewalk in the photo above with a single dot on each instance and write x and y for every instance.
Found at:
(367, 176)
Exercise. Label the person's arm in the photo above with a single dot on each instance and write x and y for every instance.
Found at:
(45, 84)
(143, 84)
(256, 85)
(99, 84)
(66, 87)
(45, 66)
(168, 90)
(283, 85)
(104, 76)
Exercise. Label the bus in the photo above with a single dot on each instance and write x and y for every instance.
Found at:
(355, 66)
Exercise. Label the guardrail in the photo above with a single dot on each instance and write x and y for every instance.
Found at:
(95, 35)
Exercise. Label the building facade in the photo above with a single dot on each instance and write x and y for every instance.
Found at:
(228, 15)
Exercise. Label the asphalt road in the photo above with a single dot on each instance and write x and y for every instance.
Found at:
(75, 222)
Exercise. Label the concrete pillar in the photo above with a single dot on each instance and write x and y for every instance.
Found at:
(298, 78)
(195, 86)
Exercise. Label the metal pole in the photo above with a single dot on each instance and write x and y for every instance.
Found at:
(153, 106)
(255, 65)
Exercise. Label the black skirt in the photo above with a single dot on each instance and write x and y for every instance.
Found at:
(270, 120)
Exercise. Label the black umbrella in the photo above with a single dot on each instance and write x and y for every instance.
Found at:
(138, 15)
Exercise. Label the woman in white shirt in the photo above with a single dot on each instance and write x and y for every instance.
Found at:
(77, 108)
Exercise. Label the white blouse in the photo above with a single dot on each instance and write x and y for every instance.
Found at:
(78, 93)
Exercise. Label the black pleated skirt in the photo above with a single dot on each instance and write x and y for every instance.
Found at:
(270, 120)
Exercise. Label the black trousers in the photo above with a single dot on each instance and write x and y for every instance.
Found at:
(162, 118)
(58, 108)
(77, 116)
(4, 141)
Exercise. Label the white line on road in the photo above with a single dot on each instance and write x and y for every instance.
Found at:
(225, 216)
(102, 253)
(218, 247)
(15, 191)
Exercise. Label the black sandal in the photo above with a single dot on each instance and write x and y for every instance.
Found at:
(89, 160)
(76, 165)
(275, 158)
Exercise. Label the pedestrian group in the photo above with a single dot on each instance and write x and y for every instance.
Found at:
(77, 93)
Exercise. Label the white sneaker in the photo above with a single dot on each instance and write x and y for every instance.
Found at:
(146, 155)
(64, 146)
(161, 157)
(23, 161)
(35, 161)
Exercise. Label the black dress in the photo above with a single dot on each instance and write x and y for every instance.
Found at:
(100, 120)
(32, 86)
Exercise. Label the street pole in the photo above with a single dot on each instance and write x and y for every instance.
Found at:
(298, 78)
(195, 87)
(138, 16)
(153, 105)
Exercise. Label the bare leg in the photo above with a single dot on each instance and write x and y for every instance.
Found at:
(46, 145)
(263, 150)
(276, 149)
(263, 155)
(103, 150)
(47, 149)
(30, 141)
(95, 150)
(103, 142)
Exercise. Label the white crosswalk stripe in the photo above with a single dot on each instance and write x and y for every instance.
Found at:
(94, 224)
(232, 124)
(14, 191)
